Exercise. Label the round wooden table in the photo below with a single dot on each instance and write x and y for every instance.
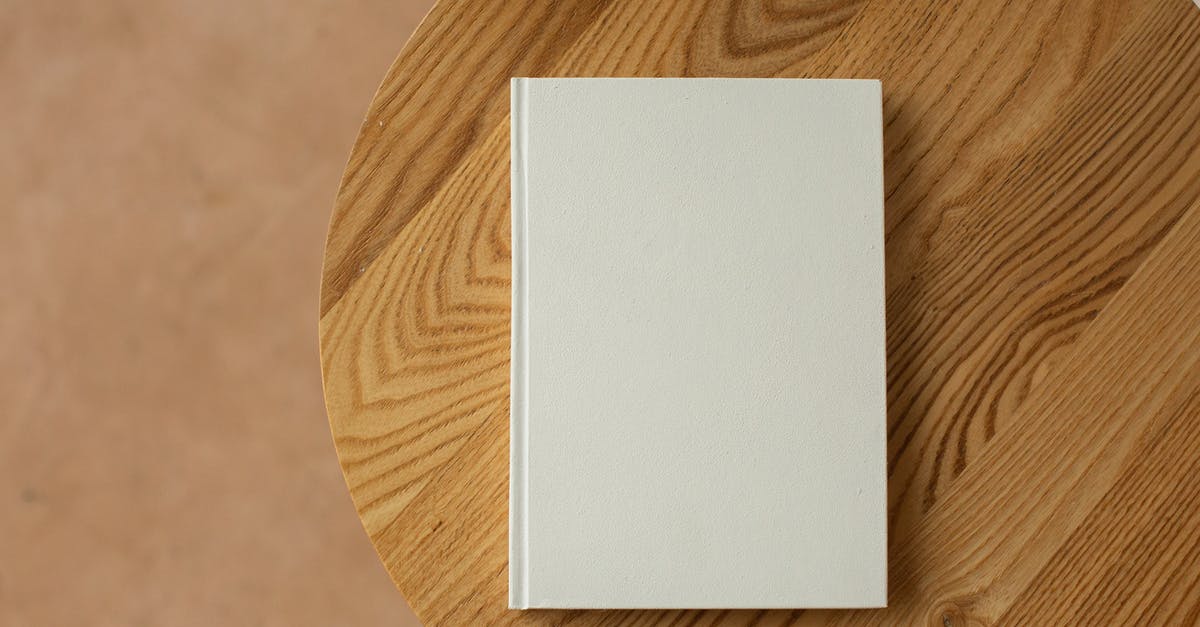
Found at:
(1043, 233)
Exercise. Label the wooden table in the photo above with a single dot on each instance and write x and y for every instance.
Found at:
(1043, 310)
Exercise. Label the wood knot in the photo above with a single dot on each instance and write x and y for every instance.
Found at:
(949, 614)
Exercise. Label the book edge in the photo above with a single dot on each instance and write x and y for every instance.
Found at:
(518, 537)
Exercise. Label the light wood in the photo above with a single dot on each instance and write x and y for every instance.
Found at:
(1043, 238)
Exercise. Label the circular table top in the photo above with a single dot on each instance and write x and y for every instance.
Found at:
(1042, 174)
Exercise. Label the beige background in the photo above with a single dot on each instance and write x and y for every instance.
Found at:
(167, 171)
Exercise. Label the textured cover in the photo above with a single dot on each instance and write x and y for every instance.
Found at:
(698, 385)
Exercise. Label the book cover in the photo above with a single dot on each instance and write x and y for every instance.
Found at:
(698, 361)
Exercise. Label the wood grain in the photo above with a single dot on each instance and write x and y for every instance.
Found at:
(1042, 172)
(448, 86)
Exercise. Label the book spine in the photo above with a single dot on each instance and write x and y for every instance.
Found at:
(518, 520)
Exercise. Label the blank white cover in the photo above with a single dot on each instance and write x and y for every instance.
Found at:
(698, 386)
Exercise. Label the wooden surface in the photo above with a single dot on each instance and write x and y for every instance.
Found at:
(1043, 312)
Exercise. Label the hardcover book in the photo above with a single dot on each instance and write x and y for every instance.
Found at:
(698, 361)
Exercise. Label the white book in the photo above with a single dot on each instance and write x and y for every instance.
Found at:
(698, 362)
